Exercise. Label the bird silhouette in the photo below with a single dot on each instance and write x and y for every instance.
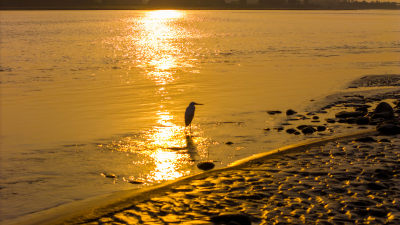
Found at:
(189, 114)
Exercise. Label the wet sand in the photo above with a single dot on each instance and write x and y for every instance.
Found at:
(340, 182)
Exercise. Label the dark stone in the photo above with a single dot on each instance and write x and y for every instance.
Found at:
(279, 128)
(308, 130)
(135, 181)
(351, 120)
(290, 112)
(345, 114)
(205, 165)
(330, 120)
(388, 129)
(237, 219)
(383, 107)
(296, 133)
(315, 117)
(229, 143)
(384, 140)
(273, 112)
(365, 139)
(321, 128)
(267, 129)
(291, 131)
(109, 175)
(362, 120)
(383, 110)
(301, 127)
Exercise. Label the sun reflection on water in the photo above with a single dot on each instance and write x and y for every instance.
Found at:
(166, 149)
(155, 43)
(161, 57)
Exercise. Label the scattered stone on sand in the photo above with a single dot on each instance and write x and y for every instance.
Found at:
(308, 130)
(108, 175)
(362, 120)
(345, 114)
(330, 120)
(205, 165)
(290, 112)
(291, 131)
(321, 128)
(229, 143)
(273, 112)
(339, 182)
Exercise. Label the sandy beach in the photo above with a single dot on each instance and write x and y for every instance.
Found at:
(352, 178)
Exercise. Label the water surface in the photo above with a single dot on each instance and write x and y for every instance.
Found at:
(91, 92)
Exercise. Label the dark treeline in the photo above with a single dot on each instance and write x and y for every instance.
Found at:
(195, 4)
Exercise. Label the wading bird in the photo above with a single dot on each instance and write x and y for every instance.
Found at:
(189, 114)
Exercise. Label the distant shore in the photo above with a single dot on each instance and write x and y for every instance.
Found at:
(365, 6)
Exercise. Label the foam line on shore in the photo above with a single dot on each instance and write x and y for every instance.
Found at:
(86, 210)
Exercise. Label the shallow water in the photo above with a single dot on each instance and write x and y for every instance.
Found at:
(91, 92)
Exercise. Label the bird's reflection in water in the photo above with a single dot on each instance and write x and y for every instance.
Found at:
(191, 148)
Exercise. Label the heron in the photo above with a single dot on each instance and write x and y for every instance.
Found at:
(189, 114)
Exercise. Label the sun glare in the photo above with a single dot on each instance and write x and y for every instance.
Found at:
(165, 14)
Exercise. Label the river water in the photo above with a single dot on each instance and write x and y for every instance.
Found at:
(91, 92)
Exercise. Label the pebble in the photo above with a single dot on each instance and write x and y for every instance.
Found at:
(205, 165)
(290, 112)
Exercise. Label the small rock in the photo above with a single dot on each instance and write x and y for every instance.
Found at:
(345, 114)
(362, 120)
(365, 139)
(329, 120)
(308, 130)
(321, 128)
(315, 117)
(290, 112)
(237, 219)
(205, 165)
(383, 110)
(388, 129)
(108, 175)
(301, 127)
(229, 143)
(273, 112)
(291, 131)
(351, 120)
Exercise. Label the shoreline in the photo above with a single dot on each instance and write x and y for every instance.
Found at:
(84, 210)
